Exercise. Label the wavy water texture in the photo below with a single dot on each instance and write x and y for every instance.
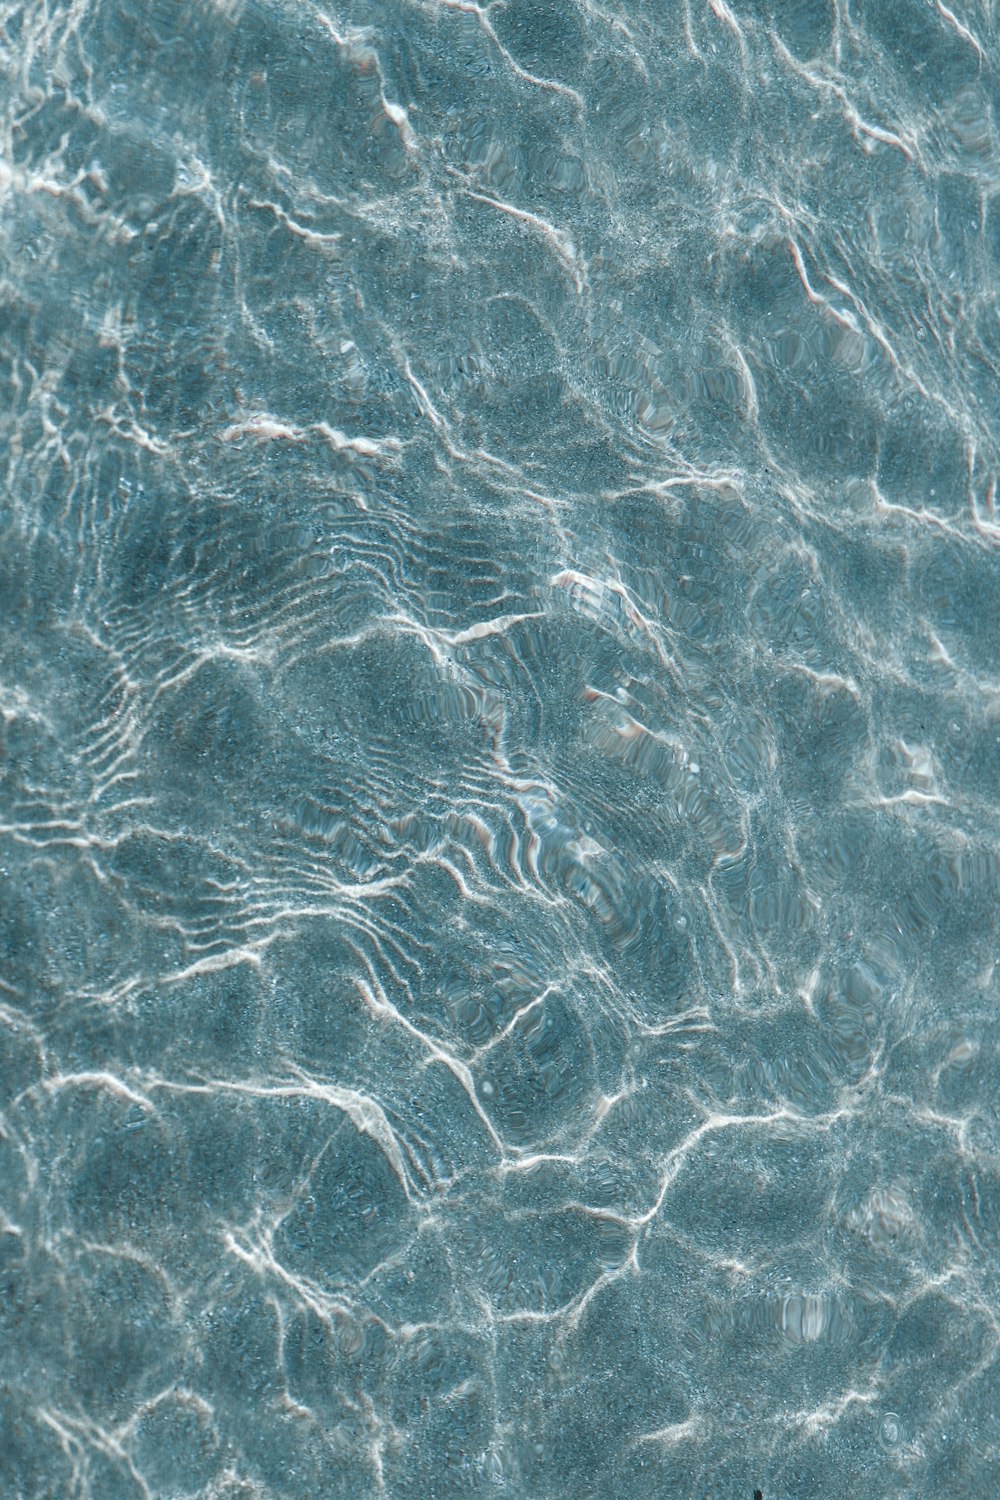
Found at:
(500, 749)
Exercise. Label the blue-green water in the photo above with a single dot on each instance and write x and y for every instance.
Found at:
(500, 750)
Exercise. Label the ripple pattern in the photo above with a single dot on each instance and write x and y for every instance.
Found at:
(499, 749)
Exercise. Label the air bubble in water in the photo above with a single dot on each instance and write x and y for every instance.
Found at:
(890, 1431)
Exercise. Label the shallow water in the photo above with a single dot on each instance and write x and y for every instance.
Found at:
(500, 713)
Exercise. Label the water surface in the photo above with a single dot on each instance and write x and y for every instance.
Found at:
(500, 717)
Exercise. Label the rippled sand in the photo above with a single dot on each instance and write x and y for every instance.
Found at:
(499, 750)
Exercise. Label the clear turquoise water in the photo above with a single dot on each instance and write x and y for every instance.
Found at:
(500, 750)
